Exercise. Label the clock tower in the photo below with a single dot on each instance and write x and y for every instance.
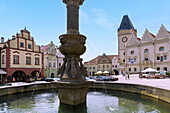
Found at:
(125, 32)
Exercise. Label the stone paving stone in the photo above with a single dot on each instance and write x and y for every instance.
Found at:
(134, 79)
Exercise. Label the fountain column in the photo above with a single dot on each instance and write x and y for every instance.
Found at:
(73, 87)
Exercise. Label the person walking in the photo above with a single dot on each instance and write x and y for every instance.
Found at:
(13, 79)
(128, 76)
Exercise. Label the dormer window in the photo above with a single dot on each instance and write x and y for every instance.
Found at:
(161, 49)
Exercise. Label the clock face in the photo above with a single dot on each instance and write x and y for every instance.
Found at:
(124, 39)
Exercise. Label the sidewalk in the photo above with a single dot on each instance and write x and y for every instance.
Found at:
(134, 79)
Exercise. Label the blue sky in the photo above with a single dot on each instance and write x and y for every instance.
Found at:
(99, 20)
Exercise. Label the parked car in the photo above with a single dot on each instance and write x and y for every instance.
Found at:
(103, 78)
(52, 79)
(90, 79)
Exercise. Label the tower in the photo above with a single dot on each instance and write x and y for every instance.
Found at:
(125, 32)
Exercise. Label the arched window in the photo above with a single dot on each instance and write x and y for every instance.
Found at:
(161, 49)
(165, 57)
(146, 51)
(132, 52)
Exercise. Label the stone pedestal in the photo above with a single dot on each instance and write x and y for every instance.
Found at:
(73, 87)
(73, 93)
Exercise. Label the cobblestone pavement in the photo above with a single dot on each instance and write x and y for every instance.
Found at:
(134, 79)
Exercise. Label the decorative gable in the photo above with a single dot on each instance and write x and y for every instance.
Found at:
(51, 49)
(147, 36)
(133, 40)
(104, 60)
(162, 33)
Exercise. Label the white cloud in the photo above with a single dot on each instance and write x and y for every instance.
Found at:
(101, 18)
(84, 17)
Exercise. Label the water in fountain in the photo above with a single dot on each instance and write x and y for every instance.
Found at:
(97, 102)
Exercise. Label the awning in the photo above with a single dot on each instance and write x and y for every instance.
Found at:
(2, 71)
(149, 70)
(106, 72)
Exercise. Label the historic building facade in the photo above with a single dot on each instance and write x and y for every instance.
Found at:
(21, 58)
(103, 63)
(136, 54)
(53, 59)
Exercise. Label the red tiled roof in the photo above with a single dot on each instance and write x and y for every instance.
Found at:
(44, 48)
(139, 39)
(95, 60)
(152, 35)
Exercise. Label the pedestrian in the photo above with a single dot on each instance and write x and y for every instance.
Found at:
(123, 73)
(5, 81)
(128, 76)
(13, 79)
(140, 75)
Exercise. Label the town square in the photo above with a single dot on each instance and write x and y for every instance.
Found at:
(81, 56)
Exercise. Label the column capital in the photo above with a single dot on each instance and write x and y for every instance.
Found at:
(73, 2)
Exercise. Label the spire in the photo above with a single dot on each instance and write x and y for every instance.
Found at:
(126, 24)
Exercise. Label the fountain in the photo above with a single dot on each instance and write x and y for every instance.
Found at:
(73, 87)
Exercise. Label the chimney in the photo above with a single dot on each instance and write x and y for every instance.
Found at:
(2, 40)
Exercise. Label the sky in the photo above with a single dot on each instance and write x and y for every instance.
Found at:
(99, 21)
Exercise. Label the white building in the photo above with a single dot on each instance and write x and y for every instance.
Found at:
(137, 54)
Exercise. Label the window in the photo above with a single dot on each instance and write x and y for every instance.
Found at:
(158, 58)
(161, 58)
(3, 59)
(107, 66)
(59, 64)
(129, 59)
(134, 59)
(29, 46)
(54, 64)
(21, 44)
(16, 59)
(146, 51)
(28, 60)
(103, 66)
(93, 67)
(135, 69)
(161, 49)
(132, 52)
(165, 57)
(123, 60)
(129, 69)
(115, 66)
(165, 68)
(146, 59)
(36, 61)
(49, 64)
(90, 67)
(124, 53)
(158, 68)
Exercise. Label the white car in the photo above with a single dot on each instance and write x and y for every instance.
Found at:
(89, 79)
